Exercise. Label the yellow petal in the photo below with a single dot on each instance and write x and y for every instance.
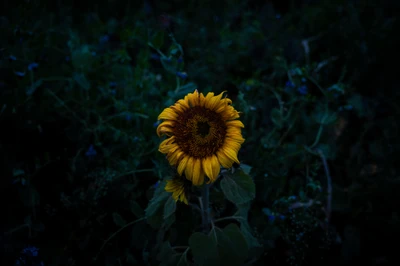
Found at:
(222, 105)
(166, 148)
(182, 164)
(197, 170)
(164, 145)
(183, 103)
(168, 114)
(208, 98)
(165, 127)
(189, 169)
(214, 101)
(223, 159)
(211, 167)
(234, 137)
(229, 113)
(231, 154)
(174, 157)
(234, 123)
(193, 98)
(202, 100)
(234, 145)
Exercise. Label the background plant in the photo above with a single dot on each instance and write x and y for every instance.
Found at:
(80, 93)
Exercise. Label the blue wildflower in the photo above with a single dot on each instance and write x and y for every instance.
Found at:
(180, 59)
(348, 107)
(271, 218)
(33, 66)
(182, 75)
(104, 39)
(94, 53)
(303, 90)
(91, 152)
(155, 56)
(12, 58)
(278, 16)
(31, 251)
(113, 92)
(292, 198)
(19, 73)
(113, 84)
(156, 184)
(128, 117)
(289, 84)
(67, 58)
(282, 217)
(156, 123)
(303, 80)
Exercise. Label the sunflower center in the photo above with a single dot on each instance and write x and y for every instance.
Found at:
(203, 128)
(200, 132)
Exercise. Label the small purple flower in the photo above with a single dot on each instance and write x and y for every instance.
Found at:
(91, 152)
(182, 75)
(31, 251)
(32, 66)
(180, 59)
(157, 184)
(303, 90)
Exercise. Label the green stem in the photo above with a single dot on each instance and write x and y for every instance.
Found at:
(321, 126)
(205, 196)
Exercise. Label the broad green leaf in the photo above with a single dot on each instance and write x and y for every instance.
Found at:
(169, 207)
(243, 210)
(118, 220)
(136, 209)
(81, 80)
(238, 187)
(166, 251)
(246, 168)
(82, 58)
(158, 39)
(231, 244)
(322, 115)
(204, 249)
(277, 118)
(155, 209)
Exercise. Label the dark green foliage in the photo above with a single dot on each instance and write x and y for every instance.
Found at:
(80, 92)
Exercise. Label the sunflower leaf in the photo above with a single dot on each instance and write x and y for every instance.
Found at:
(238, 187)
(231, 244)
(169, 207)
(204, 249)
(118, 220)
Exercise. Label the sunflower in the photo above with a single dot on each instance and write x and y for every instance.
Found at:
(203, 135)
(178, 187)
